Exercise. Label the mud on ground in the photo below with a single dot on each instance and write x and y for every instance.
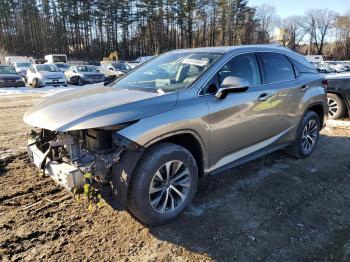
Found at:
(272, 209)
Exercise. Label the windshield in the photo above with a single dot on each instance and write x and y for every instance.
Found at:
(87, 69)
(169, 72)
(23, 64)
(7, 70)
(47, 68)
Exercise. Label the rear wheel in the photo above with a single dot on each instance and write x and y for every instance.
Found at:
(336, 106)
(163, 185)
(307, 136)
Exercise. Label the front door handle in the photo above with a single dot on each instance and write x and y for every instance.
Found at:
(264, 96)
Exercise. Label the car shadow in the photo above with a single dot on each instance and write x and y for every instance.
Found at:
(276, 208)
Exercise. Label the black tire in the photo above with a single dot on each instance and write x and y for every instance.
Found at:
(139, 196)
(336, 105)
(36, 83)
(80, 82)
(297, 149)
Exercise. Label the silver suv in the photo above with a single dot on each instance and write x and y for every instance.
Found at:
(144, 140)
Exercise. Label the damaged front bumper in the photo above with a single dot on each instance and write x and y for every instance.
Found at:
(65, 174)
(101, 159)
(70, 157)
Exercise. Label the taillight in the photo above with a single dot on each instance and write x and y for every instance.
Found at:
(325, 83)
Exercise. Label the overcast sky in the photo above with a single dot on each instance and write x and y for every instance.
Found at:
(297, 7)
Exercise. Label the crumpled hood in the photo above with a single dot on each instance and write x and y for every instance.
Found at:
(96, 107)
(52, 75)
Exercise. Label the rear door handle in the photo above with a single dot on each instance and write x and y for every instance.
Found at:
(264, 96)
(304, 87)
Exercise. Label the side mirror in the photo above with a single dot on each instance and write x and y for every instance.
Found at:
(232, 84)
(111, 69)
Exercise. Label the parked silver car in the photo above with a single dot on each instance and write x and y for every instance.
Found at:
(84, 74)
(147, 138)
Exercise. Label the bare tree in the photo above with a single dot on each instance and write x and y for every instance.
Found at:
(342, 30)
(318, 24)
(293, 27)
(266, 14)
(3, 53)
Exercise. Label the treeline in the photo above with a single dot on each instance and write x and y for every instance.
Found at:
(91, 29)
(87, 29)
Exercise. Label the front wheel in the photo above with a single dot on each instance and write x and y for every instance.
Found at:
(36, 83)
(307, 136)
(165, 182)
(80, 82)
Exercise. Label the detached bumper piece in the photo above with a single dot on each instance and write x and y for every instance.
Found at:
(66, 175)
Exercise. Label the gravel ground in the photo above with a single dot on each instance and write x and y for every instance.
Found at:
(272, 209)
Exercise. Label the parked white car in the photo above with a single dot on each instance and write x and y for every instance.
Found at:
(45, 74)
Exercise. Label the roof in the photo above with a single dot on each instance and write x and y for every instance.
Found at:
(226, 49)
(250, 48)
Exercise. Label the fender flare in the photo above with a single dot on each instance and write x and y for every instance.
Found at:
(123, 171)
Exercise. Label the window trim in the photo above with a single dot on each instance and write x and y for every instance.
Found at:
(257, 53)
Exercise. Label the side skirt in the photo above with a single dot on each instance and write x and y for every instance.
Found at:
(262, 152)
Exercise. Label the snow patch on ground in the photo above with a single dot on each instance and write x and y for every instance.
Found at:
(45, 91)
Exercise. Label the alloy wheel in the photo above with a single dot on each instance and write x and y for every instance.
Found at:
(310, 134)
(169, 186)
(333, 106)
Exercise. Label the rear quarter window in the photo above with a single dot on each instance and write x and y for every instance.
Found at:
(302, 68)
(277, 67)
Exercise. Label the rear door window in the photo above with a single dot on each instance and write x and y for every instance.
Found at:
(277, 67)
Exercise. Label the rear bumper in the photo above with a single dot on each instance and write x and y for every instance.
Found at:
(65, 174)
